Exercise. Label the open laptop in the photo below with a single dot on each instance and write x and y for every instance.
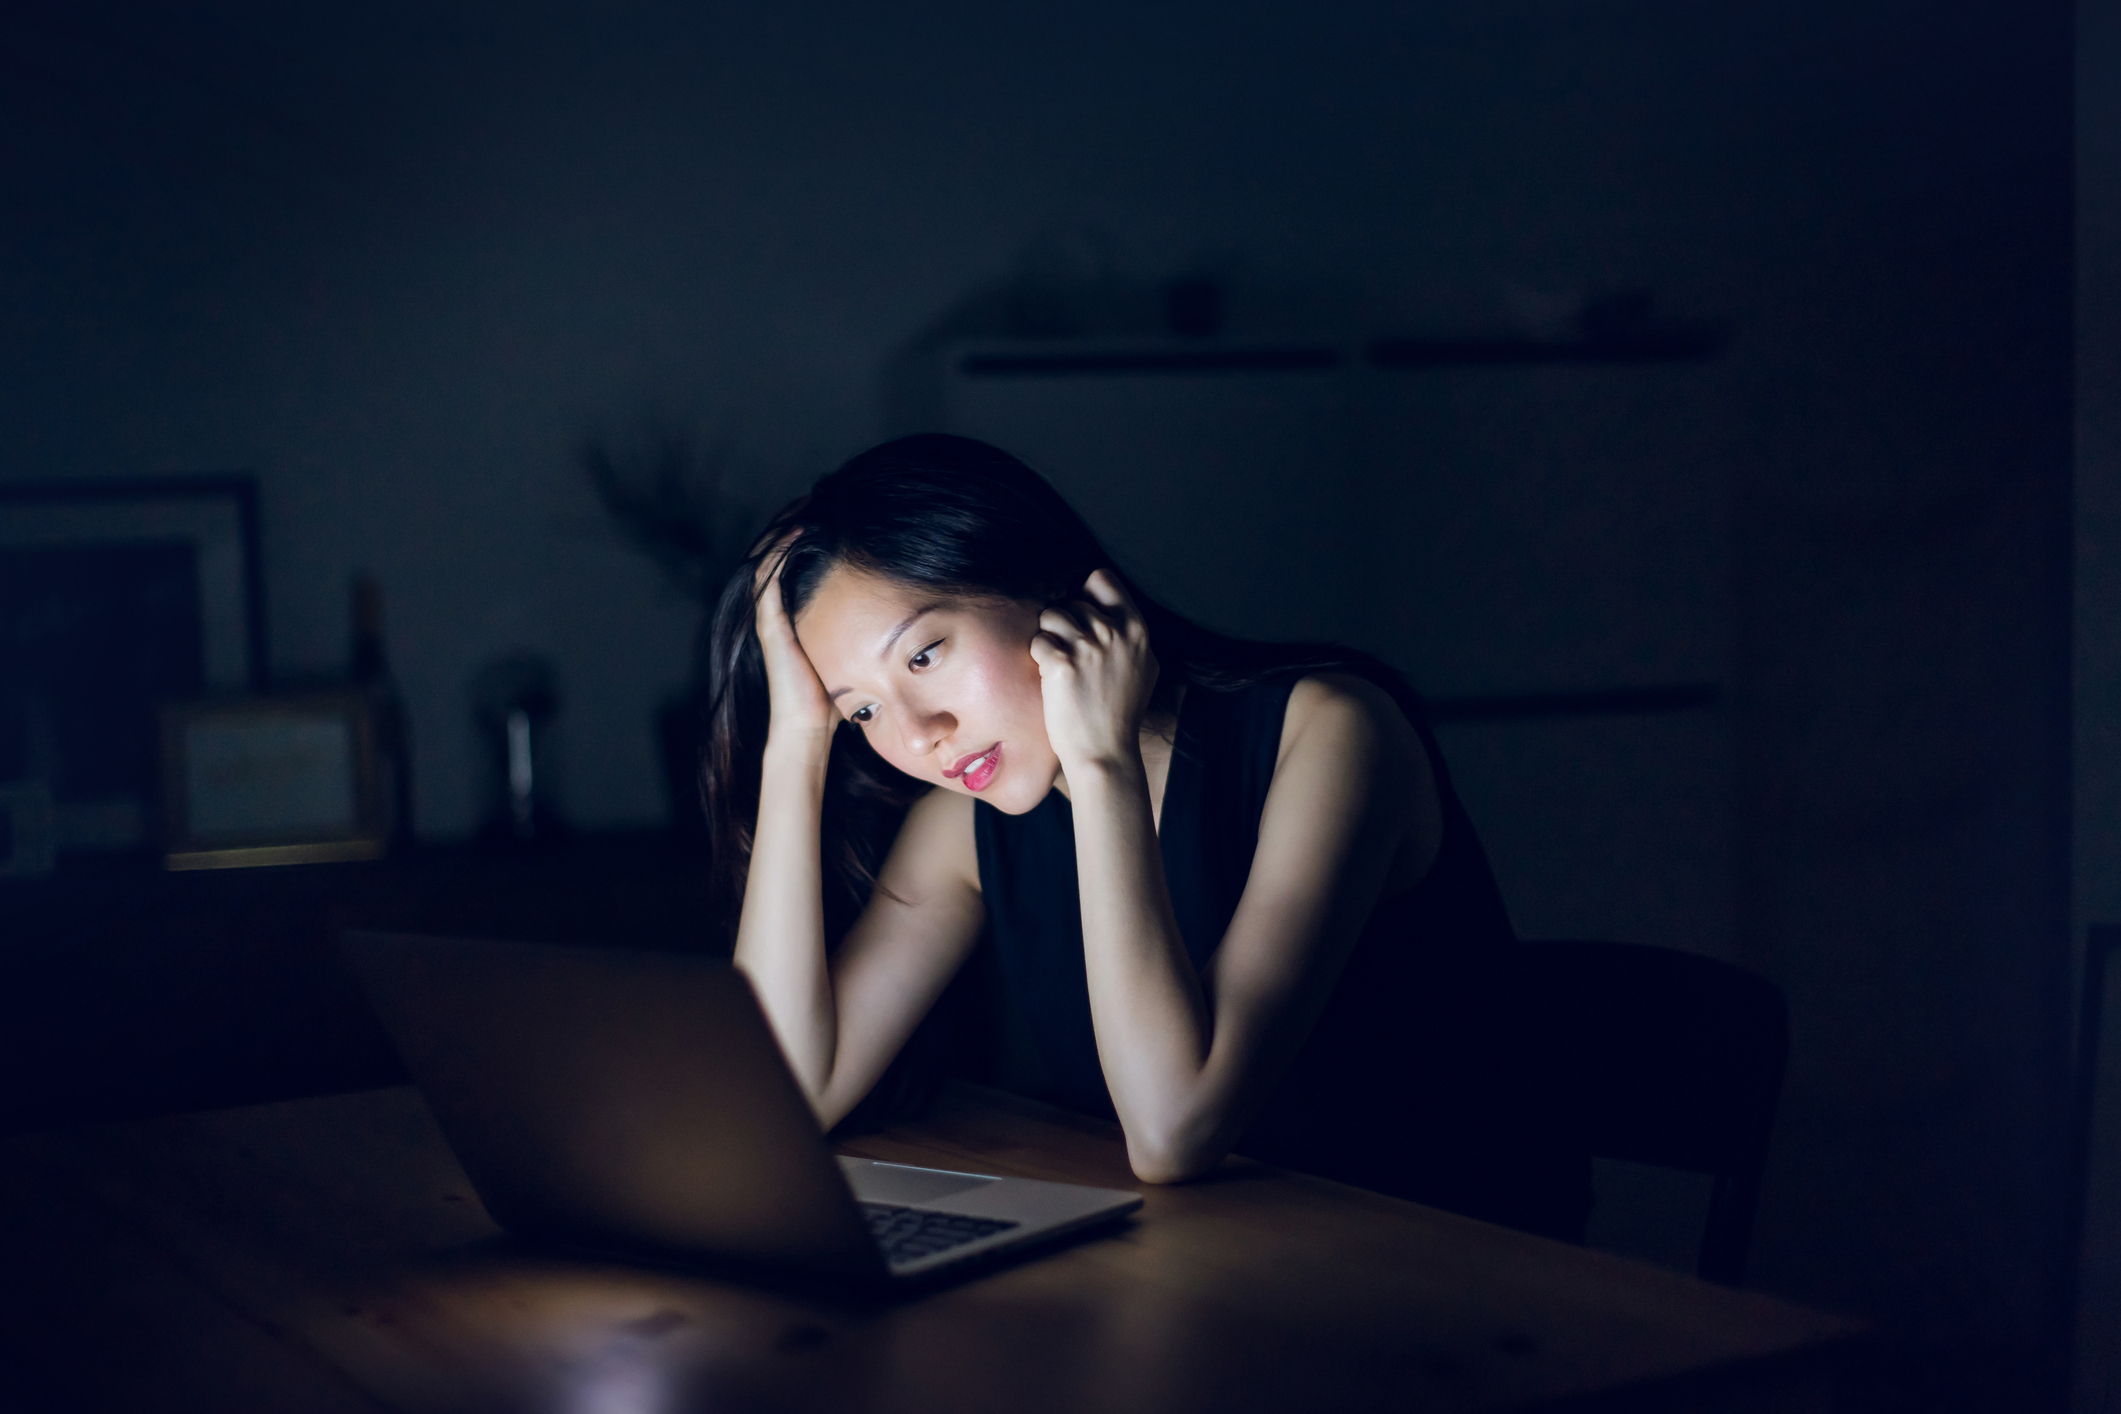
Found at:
(637, 1104)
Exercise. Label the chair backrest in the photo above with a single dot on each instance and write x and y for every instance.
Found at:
(1671, 1059)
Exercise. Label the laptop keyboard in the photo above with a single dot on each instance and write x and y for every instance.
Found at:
(908, 1234)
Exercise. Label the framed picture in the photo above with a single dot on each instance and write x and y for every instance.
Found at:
(272, 780)
(116, 596)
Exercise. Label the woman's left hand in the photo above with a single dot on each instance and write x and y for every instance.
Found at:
(1096, 673)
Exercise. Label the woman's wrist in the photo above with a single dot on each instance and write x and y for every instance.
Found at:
(796, 753)
(1106, 774)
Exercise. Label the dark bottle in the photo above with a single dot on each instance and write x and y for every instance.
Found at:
(370, 671)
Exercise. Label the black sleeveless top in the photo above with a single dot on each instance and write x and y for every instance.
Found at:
(1409, 1084)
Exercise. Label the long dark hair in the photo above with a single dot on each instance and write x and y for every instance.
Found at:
(962, 519)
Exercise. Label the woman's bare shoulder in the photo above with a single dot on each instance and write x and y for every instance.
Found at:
(1342, 713)
(1343, 733)
(936, 842)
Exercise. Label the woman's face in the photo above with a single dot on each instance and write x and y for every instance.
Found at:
(945, 689)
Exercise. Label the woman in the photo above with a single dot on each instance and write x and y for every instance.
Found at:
(1231, 895)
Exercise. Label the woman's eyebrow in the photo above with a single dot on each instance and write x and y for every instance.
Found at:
(906, 623)
(903, 624)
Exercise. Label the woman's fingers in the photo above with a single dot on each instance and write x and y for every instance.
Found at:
(796, 699)
(1096, 672)
(768, 568)
(1112, 603)
(767, 576)
(1103, 617)
(1062, 622)
(1103, 588)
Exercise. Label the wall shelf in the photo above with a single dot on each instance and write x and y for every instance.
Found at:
(1305, 358)
(1060, 359)
(1596, 702)
(1678, 344)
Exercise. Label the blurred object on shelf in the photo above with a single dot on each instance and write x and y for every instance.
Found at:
(665, 490)
(514, 699)
(292, 779)
(369, 671)
(116, 596)
(666, 493)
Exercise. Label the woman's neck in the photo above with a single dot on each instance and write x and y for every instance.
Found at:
(1159, 734)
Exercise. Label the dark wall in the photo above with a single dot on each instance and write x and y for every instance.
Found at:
(1903, 647)
(399, 259)
(2098, 659)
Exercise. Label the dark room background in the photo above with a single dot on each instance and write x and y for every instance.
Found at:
(400, 260)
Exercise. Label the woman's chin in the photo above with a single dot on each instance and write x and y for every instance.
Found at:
(1009, 792)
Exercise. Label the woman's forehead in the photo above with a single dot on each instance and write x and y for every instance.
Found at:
(853, 614)
(847, 596)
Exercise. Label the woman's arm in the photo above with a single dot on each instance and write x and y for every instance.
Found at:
(917, 930)
(1353, 803)
(839, 1023)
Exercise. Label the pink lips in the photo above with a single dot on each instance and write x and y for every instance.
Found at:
(977, 769)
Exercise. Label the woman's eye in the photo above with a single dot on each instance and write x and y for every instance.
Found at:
(861, 714)
(923, 658)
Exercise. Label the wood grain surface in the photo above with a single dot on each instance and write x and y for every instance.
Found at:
(328, 1255)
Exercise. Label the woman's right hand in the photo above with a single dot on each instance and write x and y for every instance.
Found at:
(802, 715)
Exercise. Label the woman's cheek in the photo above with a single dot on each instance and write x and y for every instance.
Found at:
(905, 761)
(889, 750)
(1011, 681)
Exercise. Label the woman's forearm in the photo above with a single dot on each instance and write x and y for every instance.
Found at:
(780, 939)
(1151, 1014)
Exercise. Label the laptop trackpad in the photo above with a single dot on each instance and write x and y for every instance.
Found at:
(899, 1183)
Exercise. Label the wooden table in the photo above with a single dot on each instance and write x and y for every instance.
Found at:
(327, 1255)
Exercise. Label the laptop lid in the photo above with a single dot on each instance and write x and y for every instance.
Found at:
(630, 1102)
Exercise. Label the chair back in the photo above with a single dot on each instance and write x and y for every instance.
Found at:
(1673, 1060)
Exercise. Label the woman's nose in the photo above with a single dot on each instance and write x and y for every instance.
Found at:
(927, 731)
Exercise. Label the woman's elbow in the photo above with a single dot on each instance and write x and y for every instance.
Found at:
(1172, 1159)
